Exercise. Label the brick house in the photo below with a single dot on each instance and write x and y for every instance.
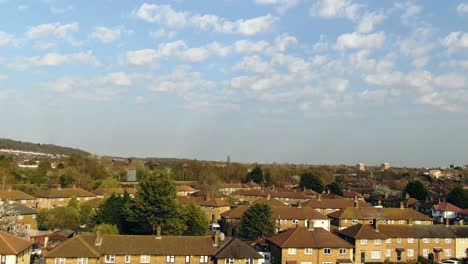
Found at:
(436, 239)
(369, 244)
(26, 217)
(235, 251)
(461, 241)
(18, 197)
(213, 207)
(13, 249)
(55, 197)
(301, 245)
(328, 206)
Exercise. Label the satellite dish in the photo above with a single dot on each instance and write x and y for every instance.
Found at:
(221, 237)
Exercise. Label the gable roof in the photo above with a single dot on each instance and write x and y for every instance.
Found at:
(15, 195)
(460, 231)
(12, 245)
(444, 206)
(64, 193)
(398, 231)
(434, 231)
(278, 193)
(333, 203)
(118, 191)
(73, 248)
(23, 210)
(202, 201)
(234, 248)
(379, 213)
(301, 237)
(360, 231)
(94, 203)
(271, 202)
(300, 213)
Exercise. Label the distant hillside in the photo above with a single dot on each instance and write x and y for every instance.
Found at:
(37, 147)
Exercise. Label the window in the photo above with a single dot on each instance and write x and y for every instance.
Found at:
(410, 252)
(23, 201)
(417, 222)
(410, 240)
(187, 259)
(389, 253)
(448, 252)
(377, 242)
(388, 241)
(20, 217)
(329, 210)
(203, 259)
(376, 254)
(402, 222)
(229, 261)
(327, 251)
(285, 221)
(291, 251)
(327, 263)
(34, 216)
(355, 221)
(146, 259)
(82, 261)
(363, 241)
(306, 262)
(425, 252)
(295, 221)
(399, 240)
(426, 240)
(342, 251)
(109, 259)
(318, 210)
(59, 260)
(371, 221)
(437, 241)
(308, 251)
(127, 258)
(448, 241)
(248, 261)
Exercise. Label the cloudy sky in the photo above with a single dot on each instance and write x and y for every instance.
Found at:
(303, 81)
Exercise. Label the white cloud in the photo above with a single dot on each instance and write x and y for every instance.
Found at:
(254, 64)
(357, 40)
(218, 49)
(283, 41)
(410, 10)
(3, 77)
(143, 57)
(195, 54)
(181, 82)
(106, 34)
(450, 80)
(335, 8)
(455, 41)
(281, 5)
(418, 46)
(463, 64)
(116, 78)
(53, 30)
(161, 33)
(247, 46)
(7, 39)
(167, 16)
(140, 100)
(369, 20)
(56, 59)
(462, 8)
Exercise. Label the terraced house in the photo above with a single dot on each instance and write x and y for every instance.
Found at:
(328, 206)
(438, 240)
(17, 197)
(395, 216)
(138, 249)
(301, 245)
(13, 249)
(55, 197)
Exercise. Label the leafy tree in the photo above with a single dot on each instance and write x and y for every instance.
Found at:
(109, 182)
(335, 188)
(416, 189)
(62, 217)
(310, 181)
(112, 211)
(255, 175)
(458, 197)
(155, 204)
(86, 215)
(257, 221)
(73, 203)
(42, 219)
(195, 220)
(107, 229)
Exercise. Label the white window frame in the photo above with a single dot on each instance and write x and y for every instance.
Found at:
(376, 254)
(291, 251)
(377, 242)
(127, 258)
(388, 253)
(307, 251)
(426, 240)
(364, 242)
(426, 252)
(436, 240)
(327, 263)
(170, 259)
(399, 240)
(82, 261)
(448, 241)
(410, 240)
(342, 251)
(203, 259)
(410, 253)
(248, 261)
(229, 261)
(109, 259)
(402, 222)
(327, 251)
(388, 241)
(448, 252)
(59, 260)
(145, 259)
(187, 259)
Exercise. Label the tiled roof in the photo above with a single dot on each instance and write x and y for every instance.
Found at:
(94, 203)
(279, 193)
(15, 195)
(360, 231)
(12, 245)
(379, 213)
(351, 194)
(213, 202)
(301, 237)
(444, 206)
(64, 193)
(73, 248)
(271, 202)
(460, 231)
(434, 231)
(304, 213)
(23, 210)
(397, 231)
(185, 188)
(118, 191)
(234, 248)
(333, 203)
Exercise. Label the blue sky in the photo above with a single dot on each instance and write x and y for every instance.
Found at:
(303, 81)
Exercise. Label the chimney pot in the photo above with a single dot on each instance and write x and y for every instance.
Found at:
(98, 236)
(158, 232)
(216, 238)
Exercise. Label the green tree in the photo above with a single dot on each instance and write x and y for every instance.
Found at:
(62, 217)
(255, 175)
(42, 219)
(195, 220)
(112, 211)
(155, 204)
(335, 188)
(86, 215)
(416, 189)
(257, 221)
(73, 203)
(109, 182)
(458, 197)
(107, 229)
(311, 181)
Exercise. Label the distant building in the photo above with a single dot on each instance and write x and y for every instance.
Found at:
(385, 166)
(361, 167)
(131, 175)
(435, 173)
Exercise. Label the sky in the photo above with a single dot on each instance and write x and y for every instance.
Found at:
(298, 81)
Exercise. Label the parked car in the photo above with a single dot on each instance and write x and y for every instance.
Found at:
(451, 261)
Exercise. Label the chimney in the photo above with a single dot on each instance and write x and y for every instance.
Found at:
(268, 197)
(98, 240)
(207, 197)
(299, 204)
(375, 224)
(379, 202)
(447, 223)
(216, 238)
(59, 187)
(356, 204)
(311, 225)
(158, 232)
(319, 197)
(402, 205)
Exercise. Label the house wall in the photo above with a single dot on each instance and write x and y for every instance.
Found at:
(214, 213)
(281, 255)
(236, 261)
(344, 223)
(135, 259)
(437, 243)
(49, 203)
(367, 250)
(27, 221)
(73, 260)
(461, 247)
(404, 243)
